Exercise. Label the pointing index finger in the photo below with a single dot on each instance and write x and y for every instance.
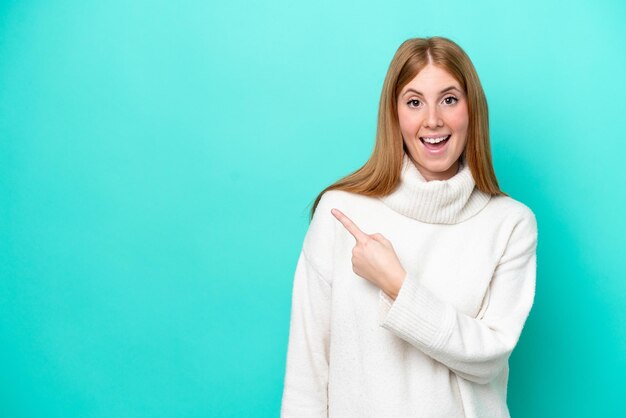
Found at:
(349, 225)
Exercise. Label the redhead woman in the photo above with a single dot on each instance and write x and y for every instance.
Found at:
(417, 273)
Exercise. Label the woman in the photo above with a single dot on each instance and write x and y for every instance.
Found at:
(417, 273)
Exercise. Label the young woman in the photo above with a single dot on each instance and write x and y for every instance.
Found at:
(417, 273)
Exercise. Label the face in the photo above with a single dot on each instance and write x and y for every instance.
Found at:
(433, 106)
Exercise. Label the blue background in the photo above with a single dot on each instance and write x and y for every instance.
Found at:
(158, 160)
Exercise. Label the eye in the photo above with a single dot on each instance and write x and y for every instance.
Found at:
(450, 100)
(413, 103)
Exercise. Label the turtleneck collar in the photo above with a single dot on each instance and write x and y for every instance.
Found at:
(437, 201)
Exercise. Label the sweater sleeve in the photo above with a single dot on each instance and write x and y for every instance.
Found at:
(476, 349)
(306, 377)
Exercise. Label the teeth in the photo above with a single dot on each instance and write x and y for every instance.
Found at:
(434, 140)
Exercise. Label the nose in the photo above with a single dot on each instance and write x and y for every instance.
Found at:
(432, 119)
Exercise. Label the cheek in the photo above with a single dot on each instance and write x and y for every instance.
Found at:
(408, 122)
(459, 119)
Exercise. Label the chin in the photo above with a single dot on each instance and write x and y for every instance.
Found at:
(436, 166)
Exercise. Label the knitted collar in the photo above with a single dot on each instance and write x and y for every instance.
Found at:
(437, 201)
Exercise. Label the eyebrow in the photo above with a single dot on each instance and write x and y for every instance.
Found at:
(441, 92)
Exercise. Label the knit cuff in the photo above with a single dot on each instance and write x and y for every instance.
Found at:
(417, 315)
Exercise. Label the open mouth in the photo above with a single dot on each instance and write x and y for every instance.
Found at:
(435, 143)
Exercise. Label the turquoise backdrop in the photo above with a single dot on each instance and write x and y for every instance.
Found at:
(158, 160)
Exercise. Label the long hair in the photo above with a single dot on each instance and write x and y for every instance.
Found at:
(380, 175)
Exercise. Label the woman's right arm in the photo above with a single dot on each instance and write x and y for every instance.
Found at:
(306, 377)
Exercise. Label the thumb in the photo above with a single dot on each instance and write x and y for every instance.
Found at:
(379, 237)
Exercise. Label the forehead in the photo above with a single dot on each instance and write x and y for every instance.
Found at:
(431, 79)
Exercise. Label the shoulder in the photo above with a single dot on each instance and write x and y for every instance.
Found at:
(318, 245)
(512, 211)
(518, 223)
(334, 198)
(321, 236)
(323, 219)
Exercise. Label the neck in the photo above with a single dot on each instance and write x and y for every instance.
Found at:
(435, 175)
(447, 201)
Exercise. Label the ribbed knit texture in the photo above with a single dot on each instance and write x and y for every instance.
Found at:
(437, 201)
(424, 326)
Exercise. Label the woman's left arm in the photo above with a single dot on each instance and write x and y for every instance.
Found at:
(476, 349)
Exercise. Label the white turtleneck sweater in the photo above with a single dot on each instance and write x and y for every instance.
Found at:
(441, 348)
